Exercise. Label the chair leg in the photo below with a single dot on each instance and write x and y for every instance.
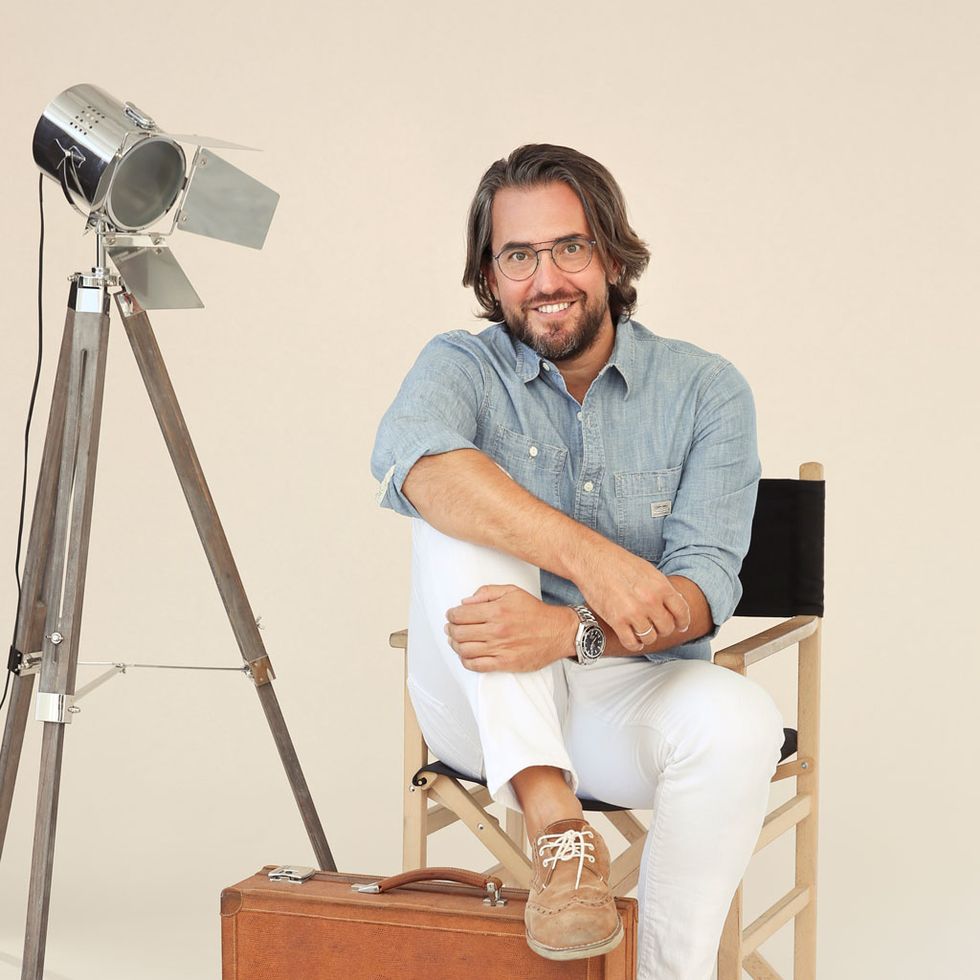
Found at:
(627, 824)
(415, 804)
(414, 850)
(516, 830)
(758, 968)
(624, 873)
(730, 949)
(807, 783)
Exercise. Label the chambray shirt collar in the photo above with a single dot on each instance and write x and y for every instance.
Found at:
(527, 362)
(623, 357)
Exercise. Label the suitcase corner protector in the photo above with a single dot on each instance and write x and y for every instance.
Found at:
(231, 901)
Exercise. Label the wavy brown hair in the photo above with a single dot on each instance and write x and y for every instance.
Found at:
(605, 210)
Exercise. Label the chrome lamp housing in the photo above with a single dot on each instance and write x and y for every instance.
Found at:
(131, 182)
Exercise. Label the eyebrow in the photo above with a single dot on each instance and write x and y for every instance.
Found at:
(560, 238)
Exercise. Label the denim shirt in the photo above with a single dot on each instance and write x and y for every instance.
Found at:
(660, 457)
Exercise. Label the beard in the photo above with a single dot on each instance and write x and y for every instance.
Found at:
(567, 340)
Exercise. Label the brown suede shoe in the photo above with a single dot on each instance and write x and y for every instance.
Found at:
(570, 912)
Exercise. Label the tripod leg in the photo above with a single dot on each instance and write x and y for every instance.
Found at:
(65, 587)
(30, 616)
(212, 535)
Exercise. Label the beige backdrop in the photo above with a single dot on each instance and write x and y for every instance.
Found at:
(805, 175)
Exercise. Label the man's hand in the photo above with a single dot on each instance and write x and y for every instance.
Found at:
(502, 627)
(631, 595)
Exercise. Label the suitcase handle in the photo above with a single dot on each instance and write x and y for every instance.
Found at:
(489, 884)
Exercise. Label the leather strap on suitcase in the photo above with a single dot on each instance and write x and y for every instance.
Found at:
(433, 924)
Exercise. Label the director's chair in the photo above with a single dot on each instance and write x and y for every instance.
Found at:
(782, 576)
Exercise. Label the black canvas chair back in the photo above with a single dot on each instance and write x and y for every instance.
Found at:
(782, 574)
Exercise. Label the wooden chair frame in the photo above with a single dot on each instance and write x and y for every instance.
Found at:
(739, 947)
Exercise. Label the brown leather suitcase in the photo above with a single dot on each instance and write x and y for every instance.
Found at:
(324, 929)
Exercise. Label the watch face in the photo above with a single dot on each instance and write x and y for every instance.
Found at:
(593, 643)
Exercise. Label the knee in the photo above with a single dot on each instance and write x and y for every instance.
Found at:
(759, 723)
(737, 721)
(450, 568)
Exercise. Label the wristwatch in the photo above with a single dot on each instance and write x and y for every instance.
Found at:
(590, 641)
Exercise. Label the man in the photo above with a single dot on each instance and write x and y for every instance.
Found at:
(583, 493)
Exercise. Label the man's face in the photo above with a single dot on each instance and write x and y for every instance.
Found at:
(538, 216)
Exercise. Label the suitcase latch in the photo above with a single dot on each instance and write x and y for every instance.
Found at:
(292, 874)
(494, 898)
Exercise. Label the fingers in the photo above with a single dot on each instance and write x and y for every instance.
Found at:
(473, 608)
(663, 622)
(470, 650)
(647, 636)
(680, 610)
(644, 628)
(627, 637)
(467, 615)
(475, 656)
(474, 633)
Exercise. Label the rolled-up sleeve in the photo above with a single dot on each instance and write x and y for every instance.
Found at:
(707, 532)
(437, 410)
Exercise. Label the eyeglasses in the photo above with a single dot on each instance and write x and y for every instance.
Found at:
(519, 262)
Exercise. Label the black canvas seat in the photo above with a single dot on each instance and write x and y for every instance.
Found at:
(441, 769)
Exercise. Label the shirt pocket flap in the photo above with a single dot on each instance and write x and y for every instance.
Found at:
(654, 484)
(536, 465)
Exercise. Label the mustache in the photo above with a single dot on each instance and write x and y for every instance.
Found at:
(545, 300)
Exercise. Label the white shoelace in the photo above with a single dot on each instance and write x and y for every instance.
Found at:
(567, 847)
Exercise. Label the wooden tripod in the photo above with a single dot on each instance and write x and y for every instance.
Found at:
(49, 617)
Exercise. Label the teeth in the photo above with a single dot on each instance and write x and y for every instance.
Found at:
(554, 308)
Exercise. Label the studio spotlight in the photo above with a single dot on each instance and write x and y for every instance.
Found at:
(131, 182)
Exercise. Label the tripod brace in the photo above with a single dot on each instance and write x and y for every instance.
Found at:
(49, 615)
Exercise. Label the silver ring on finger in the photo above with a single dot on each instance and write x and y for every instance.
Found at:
(647, 632)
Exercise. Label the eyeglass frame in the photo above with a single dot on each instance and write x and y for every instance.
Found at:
(592, 242)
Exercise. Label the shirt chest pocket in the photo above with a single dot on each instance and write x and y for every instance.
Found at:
(535, 465)
(643, 502)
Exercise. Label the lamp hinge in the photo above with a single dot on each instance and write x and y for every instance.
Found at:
(261, 671)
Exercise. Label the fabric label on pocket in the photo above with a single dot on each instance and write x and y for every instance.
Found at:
(660, 508)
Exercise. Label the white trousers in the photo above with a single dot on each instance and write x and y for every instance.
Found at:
(695, 743)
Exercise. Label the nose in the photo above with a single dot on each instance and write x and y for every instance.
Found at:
(547, 276)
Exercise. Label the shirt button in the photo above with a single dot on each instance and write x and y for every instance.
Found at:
(578, 415)
(588, 486)
(546, 365)
(533, 451)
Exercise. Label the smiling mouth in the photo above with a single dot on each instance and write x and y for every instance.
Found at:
(552, 307)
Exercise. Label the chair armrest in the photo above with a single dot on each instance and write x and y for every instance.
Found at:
(751, 650)
(399, 640)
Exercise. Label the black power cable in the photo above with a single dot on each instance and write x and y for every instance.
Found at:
(27, 429)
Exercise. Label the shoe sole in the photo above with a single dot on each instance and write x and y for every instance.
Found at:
(578, 952)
